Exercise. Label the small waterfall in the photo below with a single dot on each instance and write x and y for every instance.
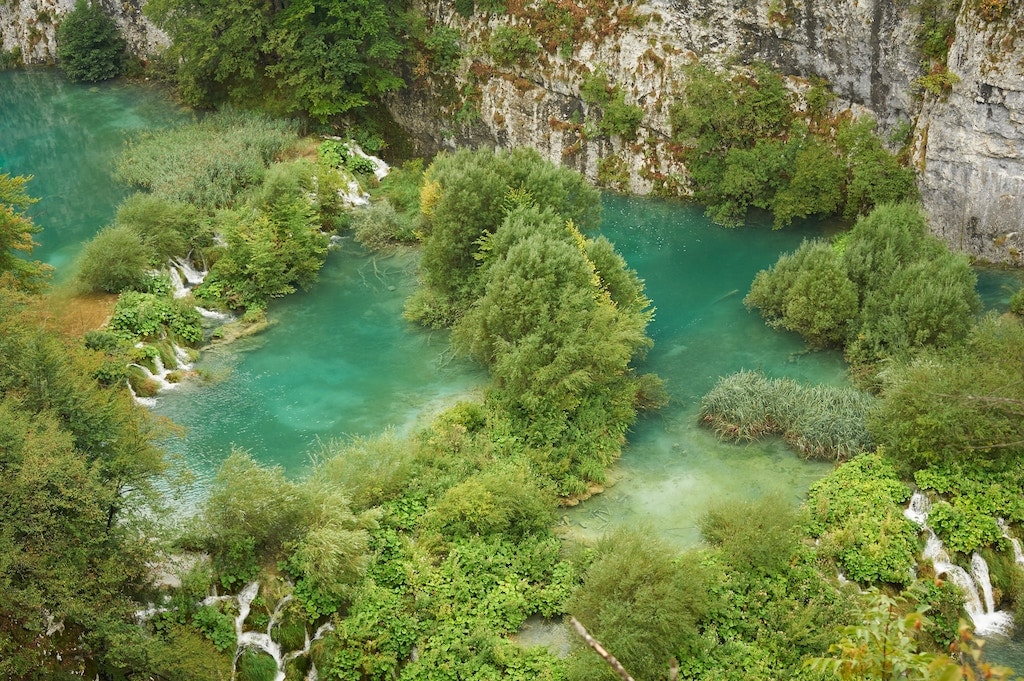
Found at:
(144, 401)
(193, 276)
(214, 315)
(1018, 554)
(178, 287)
(263, 640)
(983, 614)
(354, 195)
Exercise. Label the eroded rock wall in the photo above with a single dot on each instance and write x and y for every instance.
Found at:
(31, 27)
(967, 144)
(971, 144)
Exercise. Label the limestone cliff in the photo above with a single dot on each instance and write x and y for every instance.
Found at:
(966, 145)
(30, 26)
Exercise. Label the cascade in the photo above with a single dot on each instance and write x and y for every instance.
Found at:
(193, 276)
(1018, 554)
(980, 605)
(263, 640)
(178, 287)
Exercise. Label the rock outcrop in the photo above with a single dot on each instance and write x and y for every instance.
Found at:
(30, 27)
(967, 145)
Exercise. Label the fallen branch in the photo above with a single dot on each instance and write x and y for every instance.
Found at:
(599, 649)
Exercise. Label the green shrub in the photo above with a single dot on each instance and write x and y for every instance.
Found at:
(512, 45)
(856, 514)
(256, 665)
(147, 316)
(207, 163)
(169, 229)
(809, 292)
(642, 604)
(370, 470)
(379, 226)
(10, 59)
(1017, 303)
(216, 626)
(116, 259)
(758, 536)
(616, 118)
(89, 44)
(505, 500)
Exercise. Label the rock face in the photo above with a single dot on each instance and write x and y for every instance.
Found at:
(968, 147)
(30, 26)
(972, 145)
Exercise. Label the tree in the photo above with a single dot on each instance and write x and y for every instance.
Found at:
(16, 232)
(320, 57)
(89, 44)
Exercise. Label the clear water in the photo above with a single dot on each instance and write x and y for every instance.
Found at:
(339, 361)
(67, 135)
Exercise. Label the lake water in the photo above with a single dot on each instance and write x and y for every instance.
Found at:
(341, 360)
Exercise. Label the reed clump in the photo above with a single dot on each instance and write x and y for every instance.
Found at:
(819, 421)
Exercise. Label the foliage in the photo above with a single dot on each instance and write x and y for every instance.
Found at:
(379, 226)
(888, 645)
(641, 603)
(16, 232)
(272, 248)
(90, 46)
(819, 421)
(505, 500)
(467, 196)
(217, 626)
(511, 45)
(338, 154)
(147, 316)
(745, 148)
(319, 57)
(79, 467)
(616, 117)
(759, 536)
(115, 260)
(255, 665)
(370, 470)
(809, 292)
(855, 514)
(958, 408)
(168, 229)
(557, 344)
(206, 163)
(888, 290)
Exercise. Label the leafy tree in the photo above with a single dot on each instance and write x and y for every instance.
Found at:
(167, 228)
(466, 196)
(78, 464)
(963, 408)
(809, 292)
(320, 57)
(16, 231)
(90, 46)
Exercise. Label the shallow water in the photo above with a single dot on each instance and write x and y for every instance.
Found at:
(67, 135)
(339, 361)
(672, 470)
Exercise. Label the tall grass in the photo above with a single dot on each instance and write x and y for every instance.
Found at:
(208, 162)
(821, 422)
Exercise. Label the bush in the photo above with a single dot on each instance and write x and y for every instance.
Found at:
(755, 536)
(809, 292)
(856, 513)
(89, 44)
(511, 45)
(505, 500)
(148, 316)
(379, 226)
(642, 604)
(116, 259)
(169, 229)
(209, 162)
(370, 470)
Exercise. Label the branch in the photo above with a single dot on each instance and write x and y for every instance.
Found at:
(599, 649)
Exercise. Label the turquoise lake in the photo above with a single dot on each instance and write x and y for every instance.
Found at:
(341, 361)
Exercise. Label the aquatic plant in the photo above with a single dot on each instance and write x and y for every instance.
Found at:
(818, 421)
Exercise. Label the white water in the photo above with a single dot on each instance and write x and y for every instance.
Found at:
(976, 585)
(160, 376)
(263, 640)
